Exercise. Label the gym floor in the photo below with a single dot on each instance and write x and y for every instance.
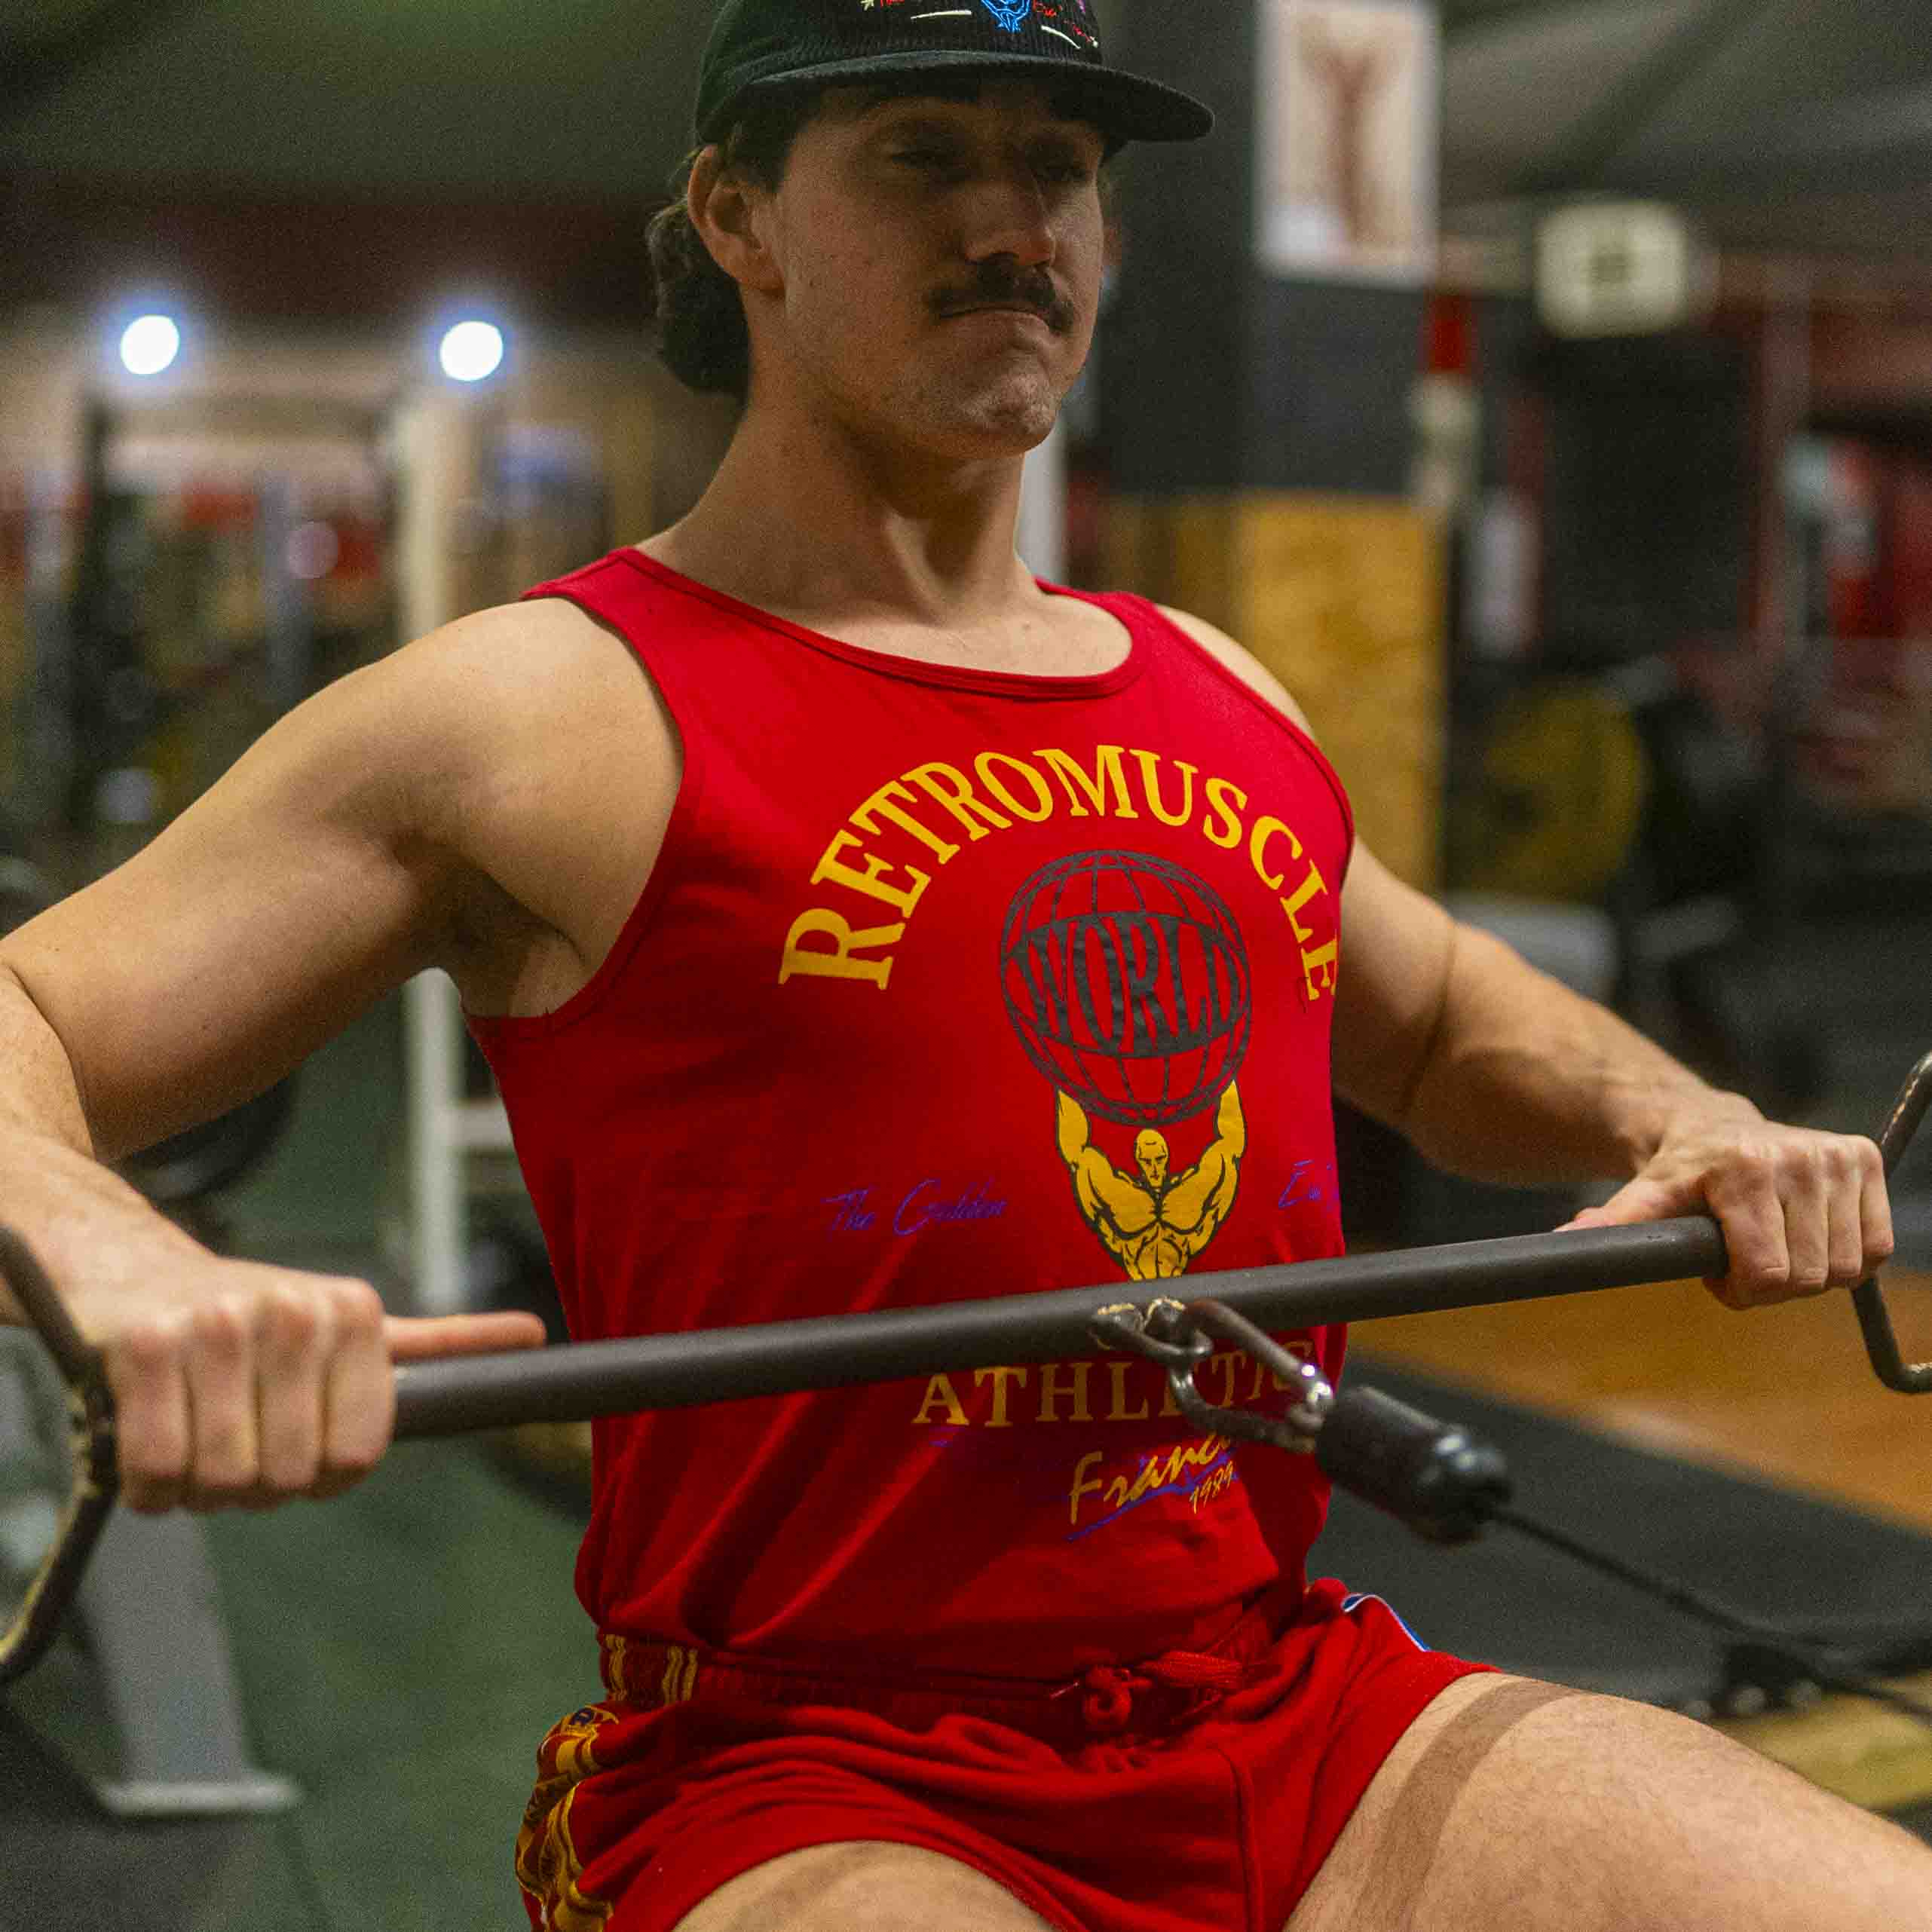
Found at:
(401, 1650)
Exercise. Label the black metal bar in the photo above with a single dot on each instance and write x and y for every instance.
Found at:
(1868, 1299)
(681, 1370)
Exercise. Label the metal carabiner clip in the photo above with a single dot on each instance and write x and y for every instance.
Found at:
(1180, 1336)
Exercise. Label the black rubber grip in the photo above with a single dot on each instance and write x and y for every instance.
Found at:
(1435, 1476)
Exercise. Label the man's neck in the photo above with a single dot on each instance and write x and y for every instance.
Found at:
(829, 532)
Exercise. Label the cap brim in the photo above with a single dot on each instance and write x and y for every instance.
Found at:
(1123, 106)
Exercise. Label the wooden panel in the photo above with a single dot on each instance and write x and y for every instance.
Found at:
(1203, 561)
(1178, 550)
(1127, 544)
(1343, 599)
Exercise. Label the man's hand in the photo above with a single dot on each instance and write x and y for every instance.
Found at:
(242, 1385)
(1801, 1210)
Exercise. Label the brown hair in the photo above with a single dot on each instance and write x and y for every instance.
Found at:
(697, 314)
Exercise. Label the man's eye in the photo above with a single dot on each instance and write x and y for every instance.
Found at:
(929, 158)
(1064, 169)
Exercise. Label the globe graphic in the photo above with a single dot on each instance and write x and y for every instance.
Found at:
(1126, 981)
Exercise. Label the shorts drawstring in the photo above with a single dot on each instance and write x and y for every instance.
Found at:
(1110, 1689)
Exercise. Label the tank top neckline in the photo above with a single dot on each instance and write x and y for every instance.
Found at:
(917, 670)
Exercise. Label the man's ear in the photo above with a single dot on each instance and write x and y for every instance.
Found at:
(726, 212)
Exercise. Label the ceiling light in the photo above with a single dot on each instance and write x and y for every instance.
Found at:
(149, 343)
(471, 350)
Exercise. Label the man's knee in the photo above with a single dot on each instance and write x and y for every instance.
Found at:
(862, 1887)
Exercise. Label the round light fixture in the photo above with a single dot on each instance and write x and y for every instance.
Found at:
(149, 343)
(471, 350)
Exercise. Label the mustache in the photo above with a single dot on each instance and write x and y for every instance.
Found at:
(1000, 282)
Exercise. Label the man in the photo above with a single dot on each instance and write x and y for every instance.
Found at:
(790, 866)
(1155, 1226)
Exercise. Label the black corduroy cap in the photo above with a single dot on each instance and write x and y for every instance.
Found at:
(758, 47)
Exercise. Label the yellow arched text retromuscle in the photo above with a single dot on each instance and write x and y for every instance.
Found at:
(880, 862)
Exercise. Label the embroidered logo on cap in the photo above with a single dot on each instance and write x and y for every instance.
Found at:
(1010, 14)
(1069, 21)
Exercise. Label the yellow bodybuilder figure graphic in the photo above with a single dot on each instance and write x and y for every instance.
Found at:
(1155, 1225)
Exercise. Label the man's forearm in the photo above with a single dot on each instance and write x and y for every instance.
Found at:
(1525, 1081)
(65, 1203)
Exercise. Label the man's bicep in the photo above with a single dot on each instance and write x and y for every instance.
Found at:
(260, 921)
(1397, 947)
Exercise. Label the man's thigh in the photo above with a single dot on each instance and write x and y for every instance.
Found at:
(1510, 1803)
(862, 1887)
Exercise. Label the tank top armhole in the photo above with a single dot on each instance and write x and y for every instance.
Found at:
(1150, 614)
(491, 1028)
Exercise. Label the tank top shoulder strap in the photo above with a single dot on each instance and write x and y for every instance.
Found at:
(1172, 645)
(666, 620)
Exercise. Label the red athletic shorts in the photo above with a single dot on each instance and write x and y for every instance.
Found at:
(1186, 1793)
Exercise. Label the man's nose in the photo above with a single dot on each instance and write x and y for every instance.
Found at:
(1008, 215)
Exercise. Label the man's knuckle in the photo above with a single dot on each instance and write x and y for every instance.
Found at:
(350, 1463)
(222, 1325)
(150, 1349)
(1799, 1159)
(291, 1467)
(291, 1321)
(357, 1310)
(146, 1461)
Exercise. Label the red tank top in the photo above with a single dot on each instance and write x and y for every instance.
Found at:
(946, 984)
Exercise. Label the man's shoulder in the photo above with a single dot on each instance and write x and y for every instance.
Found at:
(542, 757)
(523, 667)
(484, 701)
(535, 638)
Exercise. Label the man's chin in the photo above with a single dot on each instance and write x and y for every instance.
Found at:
(1006, 421)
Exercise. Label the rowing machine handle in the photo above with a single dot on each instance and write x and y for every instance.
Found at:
(1875, 1322)
(97, 1476)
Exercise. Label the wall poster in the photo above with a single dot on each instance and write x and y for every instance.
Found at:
(1346, 130)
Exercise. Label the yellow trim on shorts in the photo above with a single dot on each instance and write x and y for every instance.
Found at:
(549, 1870)
(547, 1865)
(569, 1908)
(680, 1674)
(614, 1666)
